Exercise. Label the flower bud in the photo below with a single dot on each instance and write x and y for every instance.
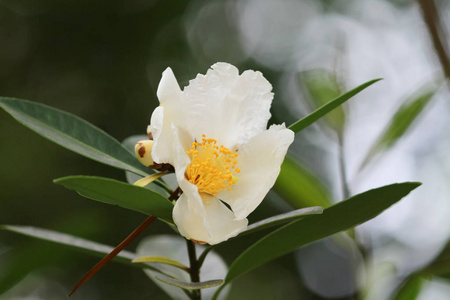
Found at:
(143, 150)
(149, 132)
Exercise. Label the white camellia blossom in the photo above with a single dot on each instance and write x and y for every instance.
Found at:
(214, 134)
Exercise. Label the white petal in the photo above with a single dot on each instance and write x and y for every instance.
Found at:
(228, 107)
(160, 152)
(216, 224)
(220, 104)
(168, 88)
(212, 223)
(189, 222)
(167, 115)
(179, 159)
(259, 160)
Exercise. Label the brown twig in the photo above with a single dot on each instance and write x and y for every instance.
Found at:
(435, 28)
(175, 194)
(113, 253)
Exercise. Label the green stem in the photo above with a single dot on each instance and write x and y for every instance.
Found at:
(194, 269)
(344, 184)
(346, 193)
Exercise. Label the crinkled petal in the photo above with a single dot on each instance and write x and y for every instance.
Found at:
(216, 224)
(259, 160)
(227, 106)
(222, 104)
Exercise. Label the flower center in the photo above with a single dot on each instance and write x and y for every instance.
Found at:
(212, 167)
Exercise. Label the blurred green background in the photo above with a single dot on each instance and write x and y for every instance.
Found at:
(102, 61)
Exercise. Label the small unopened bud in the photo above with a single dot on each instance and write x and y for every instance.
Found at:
(143, 150)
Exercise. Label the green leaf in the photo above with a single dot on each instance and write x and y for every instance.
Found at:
(161, 260)
(72, 133)
(120, 193)
(190, 285)
(299, 187)
(344, 215)
(324, 109)
(409, 289)
(76, 243)
(403, 119)
(282, 219)
(321, 86)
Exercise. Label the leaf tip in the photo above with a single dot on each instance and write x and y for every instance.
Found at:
(59, 180)
(370, 82)
(416, 183)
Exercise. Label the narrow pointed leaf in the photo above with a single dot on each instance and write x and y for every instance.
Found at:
(282, 219)
(298, 187)
(406, 116)
(326, 108)
(72, 133)
(76, 243)
(190, 285)
(161, 260)
(120, 193)
(344, 215)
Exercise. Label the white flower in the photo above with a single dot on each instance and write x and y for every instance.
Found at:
(214, 134)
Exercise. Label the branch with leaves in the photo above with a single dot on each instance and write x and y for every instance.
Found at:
(212, 197)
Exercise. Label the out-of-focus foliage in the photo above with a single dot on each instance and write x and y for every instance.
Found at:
(35, 255)
(73, 242)
(402, 120)
(320, 86)
(299, 187)
(410, 289)
(440, 266)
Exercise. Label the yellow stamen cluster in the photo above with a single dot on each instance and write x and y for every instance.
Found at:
(212, 167)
